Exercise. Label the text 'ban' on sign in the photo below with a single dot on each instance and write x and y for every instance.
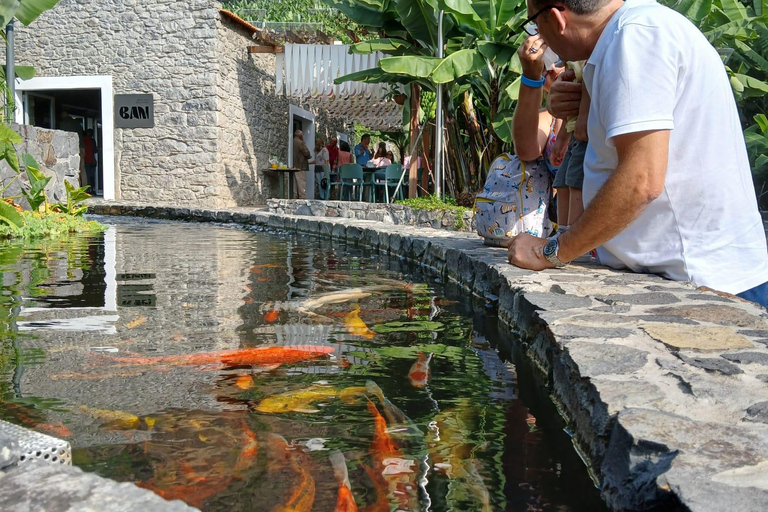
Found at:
(134, 111)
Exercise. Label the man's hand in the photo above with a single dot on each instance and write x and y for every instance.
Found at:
(565, 96)
(527, 251)
(530, 53)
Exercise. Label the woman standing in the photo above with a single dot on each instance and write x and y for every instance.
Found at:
(322, 163)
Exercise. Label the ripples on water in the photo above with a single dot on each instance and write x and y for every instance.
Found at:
(447, 431)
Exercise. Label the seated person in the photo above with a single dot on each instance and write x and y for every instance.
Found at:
(345, 153)
(380, 159)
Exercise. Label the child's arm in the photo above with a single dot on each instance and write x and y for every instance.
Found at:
(580, 131)
(560, 147)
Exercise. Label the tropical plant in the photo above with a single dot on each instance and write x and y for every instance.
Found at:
(479, 69)
(75, 197)
(35, 194)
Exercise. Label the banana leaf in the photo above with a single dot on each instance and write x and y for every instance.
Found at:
(360, 13)
(411, 65)
(457, 65)
(387, 45)
(29, 10)
(419, 17)
(10, 216)
(8, 10)
(695, 10)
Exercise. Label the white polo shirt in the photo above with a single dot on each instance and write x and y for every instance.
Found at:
(652, 69)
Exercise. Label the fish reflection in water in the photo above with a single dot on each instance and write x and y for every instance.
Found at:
(452, 452)
(193, 455)
(301, 496)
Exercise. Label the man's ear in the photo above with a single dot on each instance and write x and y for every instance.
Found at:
(561, 19)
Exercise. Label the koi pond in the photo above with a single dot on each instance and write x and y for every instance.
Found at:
(245, 370)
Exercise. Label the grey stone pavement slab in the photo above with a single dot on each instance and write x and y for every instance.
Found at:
(664, 385)
(40, 487)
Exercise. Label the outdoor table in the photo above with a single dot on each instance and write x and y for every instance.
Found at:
(281, 174)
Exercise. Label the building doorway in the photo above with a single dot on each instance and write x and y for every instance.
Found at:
(303, 120)
(88, 100)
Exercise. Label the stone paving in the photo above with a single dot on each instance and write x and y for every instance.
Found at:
(664, 386)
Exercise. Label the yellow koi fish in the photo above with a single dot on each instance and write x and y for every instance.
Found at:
(300, 400)
(355, 325)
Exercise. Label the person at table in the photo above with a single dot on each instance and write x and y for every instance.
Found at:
(391, 156)
(333, 153)
(380, 159)
(345, 154)
(301, 156)
(362, 152)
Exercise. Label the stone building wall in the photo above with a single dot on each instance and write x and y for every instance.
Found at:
(217, 117)
(252, 121)
(163, 47)
(56, 152)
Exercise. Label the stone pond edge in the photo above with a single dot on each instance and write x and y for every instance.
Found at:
(464, 260)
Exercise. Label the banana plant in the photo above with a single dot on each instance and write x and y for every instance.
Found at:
(478, 68)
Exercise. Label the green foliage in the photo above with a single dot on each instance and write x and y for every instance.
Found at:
(10, 216)
(335, 24)
(35, 194)
(75, 197)
(432, 203)
(51, 225)
(757, 146)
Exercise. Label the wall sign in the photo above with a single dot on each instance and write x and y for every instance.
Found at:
(134, 111)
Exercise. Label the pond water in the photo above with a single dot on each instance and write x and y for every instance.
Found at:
(241, 370)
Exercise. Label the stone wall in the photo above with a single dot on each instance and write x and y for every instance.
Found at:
(387, 213)
(164, 47)
(56, 152)
(217, 117)
(252, 121)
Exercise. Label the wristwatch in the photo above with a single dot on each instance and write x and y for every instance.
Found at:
(551, 250)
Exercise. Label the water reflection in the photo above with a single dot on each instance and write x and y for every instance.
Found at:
(241, 370)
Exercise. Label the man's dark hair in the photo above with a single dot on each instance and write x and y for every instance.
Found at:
(344, 146)
(366, 136)
(575, 6)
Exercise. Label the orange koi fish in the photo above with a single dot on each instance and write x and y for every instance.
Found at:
(419, 373)
(382, 447)
(345, 502)
(302, 497)
(56, 429)
(395, 470)
(271, 316)
(380, 489)
(239, 357)
(244, 382)
(249, 451)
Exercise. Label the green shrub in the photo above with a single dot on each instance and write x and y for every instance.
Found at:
(50, 225)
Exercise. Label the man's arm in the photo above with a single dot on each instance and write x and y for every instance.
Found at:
(304, 150)
(637, 181)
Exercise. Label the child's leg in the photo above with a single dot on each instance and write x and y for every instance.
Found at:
(575, 179)
(563, 193)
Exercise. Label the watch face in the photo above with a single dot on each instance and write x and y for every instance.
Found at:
(551, 248)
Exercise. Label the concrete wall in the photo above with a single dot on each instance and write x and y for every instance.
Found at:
(56, 152)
